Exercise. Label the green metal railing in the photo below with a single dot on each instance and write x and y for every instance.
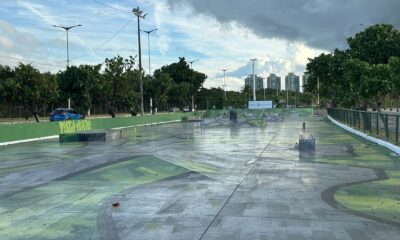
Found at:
(381, 125)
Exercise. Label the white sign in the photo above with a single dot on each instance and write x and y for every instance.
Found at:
(260, 104)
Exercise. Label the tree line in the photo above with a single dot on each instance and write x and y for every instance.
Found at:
(113, 84)
(361, 77)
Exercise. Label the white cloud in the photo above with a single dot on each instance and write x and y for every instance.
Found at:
(228, 45)
(38, 10)
(6, 43)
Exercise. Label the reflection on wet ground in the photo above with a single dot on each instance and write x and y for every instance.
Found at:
(186, 181)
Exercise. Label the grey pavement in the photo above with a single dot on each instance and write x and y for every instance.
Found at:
(240, 183)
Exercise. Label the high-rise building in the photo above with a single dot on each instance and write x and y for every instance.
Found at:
(292, 82)
(274, 82)
(305, 79)
(259, 82)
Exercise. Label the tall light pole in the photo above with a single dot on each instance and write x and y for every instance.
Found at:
(148, 45)
(224, 70)
(139, 14)
(67, 30)
(254, 80)
(191, 66)
(148, 48)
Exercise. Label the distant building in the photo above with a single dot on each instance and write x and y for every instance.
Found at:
(305, 79)
(259, 82)
(274, 82)
(292, 82)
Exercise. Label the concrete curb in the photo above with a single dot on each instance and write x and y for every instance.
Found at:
(28, 140)
(382, 143)
(57, 136)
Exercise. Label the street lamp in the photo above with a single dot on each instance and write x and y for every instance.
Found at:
(148, 44)
(224, 70)
(191, 66)
(254, 80)
(67, 30)
(148, 48)
(139, 14)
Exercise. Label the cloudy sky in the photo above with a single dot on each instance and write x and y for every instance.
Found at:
(221, 34)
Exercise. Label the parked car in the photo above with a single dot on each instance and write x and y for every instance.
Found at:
(62, 114)
(174, 109)
(186, 109)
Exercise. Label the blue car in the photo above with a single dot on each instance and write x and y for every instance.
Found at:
(62, 114)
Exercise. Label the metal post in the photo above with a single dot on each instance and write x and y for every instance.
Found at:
(370, 123)
(191, 66)
(377, 124)
(148, 45)
(317, 95)
(365, 122)
(387, 126)
(67, 49)
(397, 129)
(67, 30)
(254, 81)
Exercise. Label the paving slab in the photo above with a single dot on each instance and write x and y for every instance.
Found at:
(184, 181)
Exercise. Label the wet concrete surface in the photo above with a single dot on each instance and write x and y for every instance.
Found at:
(179, 181)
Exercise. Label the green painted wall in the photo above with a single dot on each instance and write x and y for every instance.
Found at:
(21, 131)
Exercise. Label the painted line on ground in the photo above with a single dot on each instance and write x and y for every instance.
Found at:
(380, 142)
(57, 136)
(29, 140)
(147, 124)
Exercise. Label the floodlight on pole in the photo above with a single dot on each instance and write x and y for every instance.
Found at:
(67, 30)
(191, 66)
(254, 80)
(224, 70)
(148, 45)
(139, 14)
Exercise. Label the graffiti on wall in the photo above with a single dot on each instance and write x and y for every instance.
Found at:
(75, 126)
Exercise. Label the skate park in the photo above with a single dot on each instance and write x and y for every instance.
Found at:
(209, 179)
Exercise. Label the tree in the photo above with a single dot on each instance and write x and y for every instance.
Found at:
(354, 73)
(247, 92)
(187, 81)
(158, 89)
(79, 83)
(32, 89)
(118, 84)
(7, 83)
(376, 84)
(376, 44)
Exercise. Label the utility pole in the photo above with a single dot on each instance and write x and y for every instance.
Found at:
(254, 80)
(67, 30)
(191, 66)
(139, 14)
